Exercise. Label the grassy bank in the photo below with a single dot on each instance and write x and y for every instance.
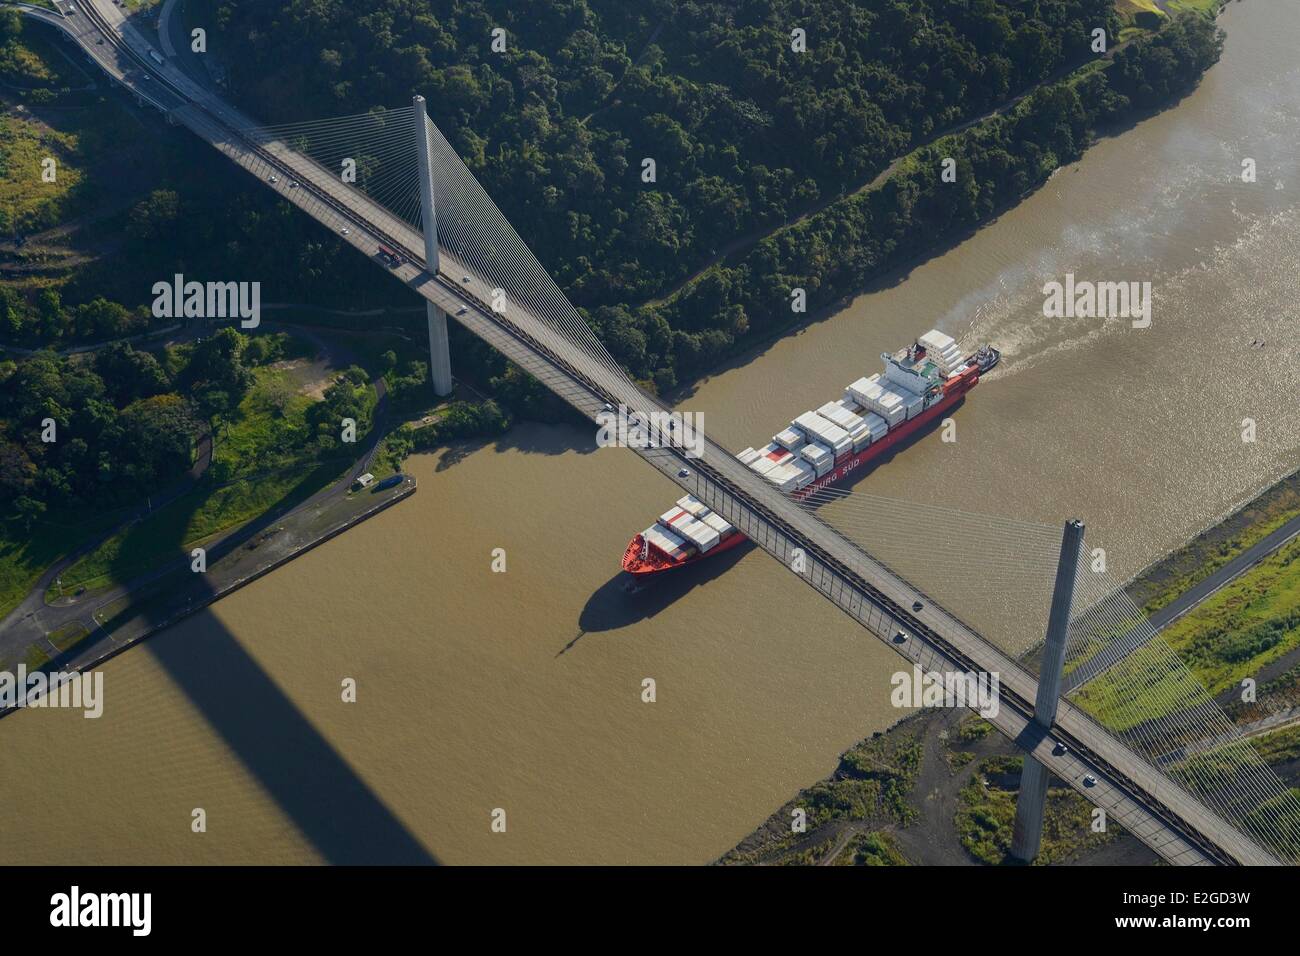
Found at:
(261, 463)
(1246, 627)
(986, 816)
(870, 788)
(1233, 634)
(1215, 547)
(25, 553)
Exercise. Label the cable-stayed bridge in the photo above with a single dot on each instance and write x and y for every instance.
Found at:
(1230, 811)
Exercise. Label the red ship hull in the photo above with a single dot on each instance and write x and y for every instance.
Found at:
(640, 560)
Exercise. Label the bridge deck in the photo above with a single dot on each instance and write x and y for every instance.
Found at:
(1134, 794)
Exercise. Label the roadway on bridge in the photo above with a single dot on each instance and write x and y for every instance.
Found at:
(1162, 814)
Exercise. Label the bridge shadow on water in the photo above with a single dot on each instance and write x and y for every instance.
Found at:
(335, 810)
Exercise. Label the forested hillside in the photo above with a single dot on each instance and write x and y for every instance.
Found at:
(745, 132)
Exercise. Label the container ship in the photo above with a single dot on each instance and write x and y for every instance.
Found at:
(820, 447)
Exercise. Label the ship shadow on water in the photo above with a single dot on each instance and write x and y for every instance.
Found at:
(621, 601)
(613, 606)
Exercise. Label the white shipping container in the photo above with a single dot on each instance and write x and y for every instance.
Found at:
(669, 543)
(762, 465)
(748, 456)
(876, 424)
(784, 477)
(866, 391)
(807, 474)
(810, 423)
(717, 523)
(861, 437)
(697, 533)
(893, 415)
(834, 413)
(692, 506)
(666, 519)
(790, 438)
(936, 340)
(823, 430)
(851, 416)
(915, 407)
(819, 456)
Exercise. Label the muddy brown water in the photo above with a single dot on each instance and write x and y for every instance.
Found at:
(522, 691)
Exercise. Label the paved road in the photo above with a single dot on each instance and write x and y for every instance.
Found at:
(33, 618)
(1137, 796)
(1185, 602)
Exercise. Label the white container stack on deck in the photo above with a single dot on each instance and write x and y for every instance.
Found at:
(685, 526)
(839, 415)
(879, 397)
(819, 456)
(850, 421)
(876, 425)
(670, 543)
(863, 392)
(762, 464)
(700, 534)
(778, 454)
(824, 430)
(942, 351)
(892, 394)
(790, 438)
(748, 456)
(807, 474)
(701, 512)
(717, 523)
(785, 477)
(693, 506)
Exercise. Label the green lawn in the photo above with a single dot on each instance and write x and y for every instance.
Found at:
(1209, 7)
(25, 554)
(986, 812)
(1216, 547)
(1252, 621)
(1231, 635)
(27, 201)
(258, 466)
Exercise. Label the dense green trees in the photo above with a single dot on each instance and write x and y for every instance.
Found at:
(125, 424)
(117, 433)
(745, 131)
(833, 253)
